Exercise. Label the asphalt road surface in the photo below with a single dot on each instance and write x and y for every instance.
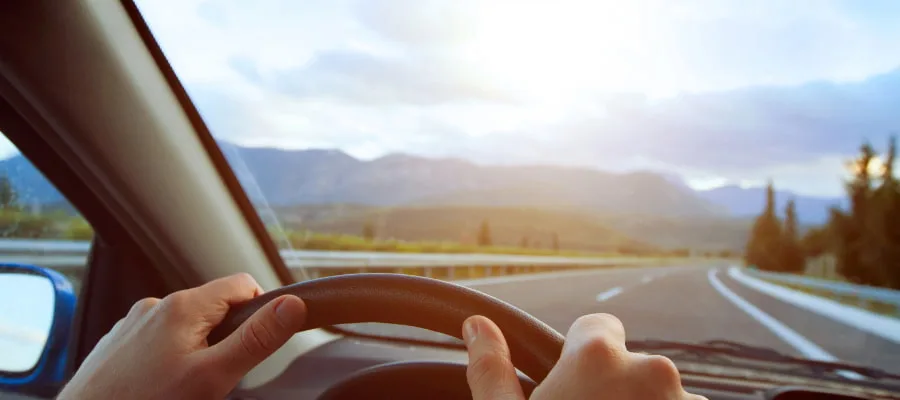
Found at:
(690, 304)
(685, 304)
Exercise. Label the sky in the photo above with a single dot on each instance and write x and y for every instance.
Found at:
(718, 92)
(24, 329)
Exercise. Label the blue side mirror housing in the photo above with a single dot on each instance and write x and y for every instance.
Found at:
(37, 307)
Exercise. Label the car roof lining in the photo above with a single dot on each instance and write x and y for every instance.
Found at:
(82, 76)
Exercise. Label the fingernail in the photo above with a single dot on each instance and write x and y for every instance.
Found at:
(470, 330)
(284, 313)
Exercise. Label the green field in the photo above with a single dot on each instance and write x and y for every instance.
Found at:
(455, 230)
(337, 242)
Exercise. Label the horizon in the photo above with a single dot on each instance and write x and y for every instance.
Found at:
(8, 151)
(663, 174)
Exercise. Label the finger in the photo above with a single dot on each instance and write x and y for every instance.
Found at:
(594, 352)
(217, 297)
(595, 330)
(137, 313)
(258, 337)
(142, 306)
(233, 288)
(654, 374)
(490, 373)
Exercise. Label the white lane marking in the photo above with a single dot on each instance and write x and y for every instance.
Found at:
(647, 279)
(608, 294)
(863, 320)
(788, 335)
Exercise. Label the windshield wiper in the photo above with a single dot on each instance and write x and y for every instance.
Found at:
(714, 350)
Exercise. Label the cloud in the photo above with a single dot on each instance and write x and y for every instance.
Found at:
(276, 120)
(716, 45)
(658, 46)
(745, 128)
(796, 133)
(425, 24)
(723, 91)
(357, 77)
(23, 335)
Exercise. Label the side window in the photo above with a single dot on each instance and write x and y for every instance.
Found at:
(38, 225)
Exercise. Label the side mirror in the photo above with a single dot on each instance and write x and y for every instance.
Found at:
(37, 306)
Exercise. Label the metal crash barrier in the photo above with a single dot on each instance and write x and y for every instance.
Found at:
(69, 258)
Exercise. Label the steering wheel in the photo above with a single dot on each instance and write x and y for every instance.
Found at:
(414, 301)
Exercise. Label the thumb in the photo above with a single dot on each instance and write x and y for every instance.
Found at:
(490, 374)
(260, 335)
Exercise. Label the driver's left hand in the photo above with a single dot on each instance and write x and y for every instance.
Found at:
(159, 350)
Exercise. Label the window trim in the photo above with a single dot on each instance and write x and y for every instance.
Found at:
(245, 206)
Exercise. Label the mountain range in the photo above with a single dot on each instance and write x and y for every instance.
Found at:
(747, 202)
(316, 176)
(297, 177)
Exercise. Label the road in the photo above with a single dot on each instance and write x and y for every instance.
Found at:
(689, 304)
(684, 304)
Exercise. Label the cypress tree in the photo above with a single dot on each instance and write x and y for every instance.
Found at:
(484, 234)
(368, 231)
(763, 247)
(792, 259)
(883, 252)
(851, 251)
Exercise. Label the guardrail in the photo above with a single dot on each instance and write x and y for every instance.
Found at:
(881, 300)
(70, 256)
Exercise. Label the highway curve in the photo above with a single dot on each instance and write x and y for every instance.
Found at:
(692, 304)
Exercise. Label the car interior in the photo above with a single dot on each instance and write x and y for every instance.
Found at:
(88, 97)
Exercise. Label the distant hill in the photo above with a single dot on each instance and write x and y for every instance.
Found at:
(31, 186)
(309, 177)
(294, 177)
(748, 202)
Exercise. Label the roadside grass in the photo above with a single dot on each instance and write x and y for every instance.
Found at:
(319, 241)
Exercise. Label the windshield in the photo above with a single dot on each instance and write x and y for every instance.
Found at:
(704, 171)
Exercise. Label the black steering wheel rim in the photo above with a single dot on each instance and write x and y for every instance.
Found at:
(414, 301)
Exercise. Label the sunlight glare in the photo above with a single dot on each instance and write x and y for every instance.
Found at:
(559, 48)
(876, 166)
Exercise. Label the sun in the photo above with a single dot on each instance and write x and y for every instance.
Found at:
(876, 166)
(558, 48)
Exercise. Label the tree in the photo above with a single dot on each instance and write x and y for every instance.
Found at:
(484, 234)
(865, 239)
(763, 246)
(792, 259)
(882, 225)
(860, 239)
(554, 242)
(524, 242)
(816, 241)
(854, 248)
(368, 231)
(8, 196)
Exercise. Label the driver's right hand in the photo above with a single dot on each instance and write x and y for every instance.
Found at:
(594, 365)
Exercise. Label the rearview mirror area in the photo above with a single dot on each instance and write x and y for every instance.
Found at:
(37, 306)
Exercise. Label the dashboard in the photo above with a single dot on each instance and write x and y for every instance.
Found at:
(311, 375)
